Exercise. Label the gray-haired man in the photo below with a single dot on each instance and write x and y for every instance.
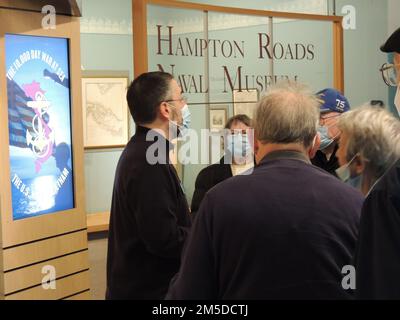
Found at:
(274, 234)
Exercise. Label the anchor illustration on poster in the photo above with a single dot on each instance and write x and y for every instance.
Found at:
(41, 140)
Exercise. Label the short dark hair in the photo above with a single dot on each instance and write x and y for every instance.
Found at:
(146, 93)
(239, 118)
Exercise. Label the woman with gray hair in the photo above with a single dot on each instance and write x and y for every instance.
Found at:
(368, 146)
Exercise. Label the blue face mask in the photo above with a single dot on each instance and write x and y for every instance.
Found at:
(239, 147)
(187, 117)
(326, 140)
(186, 120)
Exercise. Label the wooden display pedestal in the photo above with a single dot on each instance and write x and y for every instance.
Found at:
(30, 247)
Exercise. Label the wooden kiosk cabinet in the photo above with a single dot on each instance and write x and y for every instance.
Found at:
(43, 233)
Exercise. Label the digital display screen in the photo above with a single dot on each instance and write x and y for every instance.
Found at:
(39, 122)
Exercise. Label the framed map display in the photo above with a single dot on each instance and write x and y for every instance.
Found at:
(105, 112)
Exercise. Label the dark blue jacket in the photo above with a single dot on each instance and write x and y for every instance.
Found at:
(283, 232)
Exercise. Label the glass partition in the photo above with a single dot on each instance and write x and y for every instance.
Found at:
(177, 44)
(224, 61)
(303, 51)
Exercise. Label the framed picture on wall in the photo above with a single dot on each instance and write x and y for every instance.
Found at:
(105, 111)
(218, 117)
(245, 102)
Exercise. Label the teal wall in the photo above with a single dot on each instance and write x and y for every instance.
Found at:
(114, 52)
(362, 56)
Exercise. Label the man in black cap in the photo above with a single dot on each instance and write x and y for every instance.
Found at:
(377, 258)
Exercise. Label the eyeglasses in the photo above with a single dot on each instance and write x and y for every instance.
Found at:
(235, 132)
(182, 99)
(389, 74)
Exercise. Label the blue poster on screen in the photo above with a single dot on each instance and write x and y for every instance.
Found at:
(39, 120)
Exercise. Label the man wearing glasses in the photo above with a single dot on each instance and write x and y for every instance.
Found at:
(149, 213)
(391, 72)
(333, 104)
(377, 258)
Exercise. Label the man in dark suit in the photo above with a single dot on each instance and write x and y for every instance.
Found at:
(283, 232)
(227, 167)
(149, 212)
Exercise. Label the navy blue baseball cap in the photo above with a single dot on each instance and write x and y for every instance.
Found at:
(333, 101)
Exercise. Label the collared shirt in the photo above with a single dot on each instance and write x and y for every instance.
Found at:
(238, 169)
(149, 220)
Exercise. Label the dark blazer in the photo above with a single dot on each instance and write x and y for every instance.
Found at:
(283, 232)
(148, 225)
(207, 179)
(377, 259)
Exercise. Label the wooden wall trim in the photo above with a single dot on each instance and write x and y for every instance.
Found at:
(41, 251)
(85, 295)
(338, 57)
(32, 276)
(65, 287)
(140, 61)
(251, 12)
(98, 222)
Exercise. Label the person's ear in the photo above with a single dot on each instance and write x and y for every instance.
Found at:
(358, 165)
(315, 147)
(257, 155)
(165, 111)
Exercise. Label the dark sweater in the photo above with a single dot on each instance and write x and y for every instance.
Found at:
(207, 179)
(377, 258)
(148, 225)
(322, 162)
(283, 232)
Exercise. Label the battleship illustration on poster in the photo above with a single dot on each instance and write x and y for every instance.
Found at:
(39, 120)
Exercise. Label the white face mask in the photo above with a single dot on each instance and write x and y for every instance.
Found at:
(182, 129)
(344, 172)
(397, 99)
